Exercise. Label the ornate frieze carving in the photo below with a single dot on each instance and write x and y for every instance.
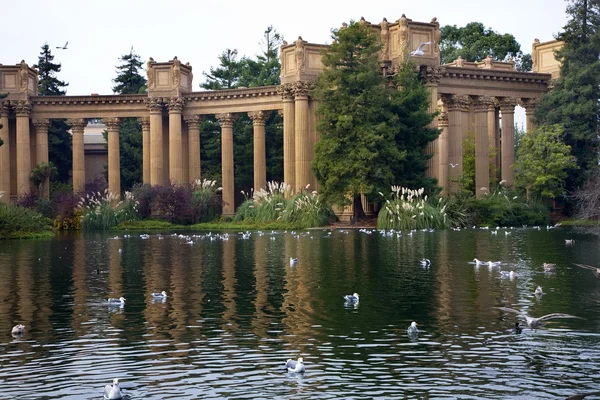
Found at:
(507, 104)
(529, 105)
(226, 119)
(41, 125)
(22, 108)
(175, 104)
(112, 124)
(144, 122)
(286, 91)
(482, 103)
(431, 74)
(258, 117)
(442, 119)
(4, 108)
(456, 102)
(301, 89)
(77, 124)
(193, 121)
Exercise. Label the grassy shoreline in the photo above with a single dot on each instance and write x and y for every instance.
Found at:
(242, 225)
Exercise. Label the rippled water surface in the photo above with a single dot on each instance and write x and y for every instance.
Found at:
(237, 310)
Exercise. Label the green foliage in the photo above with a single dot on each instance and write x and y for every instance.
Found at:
(543, 162)
(226, 75)
(410, 209)
(19, 222)
(59, 140)
(265, 70)
(41, 174)
(573, 102)
(129, 80)
(474, 42)
(373, 133)
(103, 212)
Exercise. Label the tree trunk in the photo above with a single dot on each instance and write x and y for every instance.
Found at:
(358, 212)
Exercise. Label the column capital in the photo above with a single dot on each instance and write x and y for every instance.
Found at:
(193, 121)
(41, 124)
(301, 89)
(154, 105)
(286, 91)
(112, 123)
(456, 102)
(77, 124)
(176, 104)
(226, 119)
(507, 104)
(442, 119)
(22, 108)
(529, 105)
(258, 117)
(144, 122)
(432, 74)
(482, 103)
(4, 108)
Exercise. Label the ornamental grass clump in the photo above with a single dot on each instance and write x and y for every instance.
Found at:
(410, 209)
(205, 200)
(264, 205)
(307, 210)
(103, 211)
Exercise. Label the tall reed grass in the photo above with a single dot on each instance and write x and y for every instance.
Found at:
(103, 211)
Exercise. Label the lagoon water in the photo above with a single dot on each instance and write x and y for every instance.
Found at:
(236, 310)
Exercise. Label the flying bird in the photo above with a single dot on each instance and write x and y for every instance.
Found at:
(536, 322)
(63, 47)
(419, 50)
(593, 269)
(113, 392)
(453, 165)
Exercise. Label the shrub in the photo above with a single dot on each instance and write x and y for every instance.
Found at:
(144, 194)
(18, 221)
(65, 212)
(106, 211)
(206, 201)
(307, 210)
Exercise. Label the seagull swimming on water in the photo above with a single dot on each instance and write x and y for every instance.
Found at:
(538, 292)
(113, 392)
(18, 330)
(591, 268)
(548, 267)
(293, 261)
(119, 301)
(160, 296)
(425, 262)
(351, 298)
(536, 322)
(412, 329)
(295, 366)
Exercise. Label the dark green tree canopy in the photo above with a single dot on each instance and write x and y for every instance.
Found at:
(49, 84)
(373, 133)
(474, 42)
(129, 80)
(226, 75)
(573, 102)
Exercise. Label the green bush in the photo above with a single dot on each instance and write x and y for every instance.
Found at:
(18, 222)
(307, 210)
(106, 212)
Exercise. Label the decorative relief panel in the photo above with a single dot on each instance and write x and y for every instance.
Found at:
(9, 81)
(163, 78)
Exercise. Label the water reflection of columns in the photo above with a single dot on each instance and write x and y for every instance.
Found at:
(115, 272)
(81, 292)
(179, 285)
(156, 279)
(444, 279)
(25, 285)
(229, 284)
(261, 277)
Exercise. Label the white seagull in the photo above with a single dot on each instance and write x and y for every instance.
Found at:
(295, 366)
(113, 392)
(160, 296)
(419, 51)
(425, 262)
(119, 301)
(18, 330)
(453, 165)
(536, 322)
(351, 298)
(538, 292)
(412, 329)
(293, 261)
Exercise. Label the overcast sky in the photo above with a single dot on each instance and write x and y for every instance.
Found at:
(99, 32)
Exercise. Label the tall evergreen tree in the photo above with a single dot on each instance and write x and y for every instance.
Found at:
(573, 102)
(265, 70)
(226, 75)
(59, 140)
(373, 134)
(130, 81)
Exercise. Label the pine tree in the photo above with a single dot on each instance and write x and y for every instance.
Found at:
(59, 140)
(129, 80)
(226, 75)
(373, 135)
(573, 102)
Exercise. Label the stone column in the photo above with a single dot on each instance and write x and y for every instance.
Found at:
(260, 159)
(492, 124)
(77, 127)
(22, 109)
(431, 77)
(482, 146)
(175, 146)
(442, 122)
(195, 164)
(507, 109)
(289, 140)
(226, 121)
(529, 105)
(4, 154)
(41, 140)
(302, 140)
(457, 105)
(114, 158)
(156, 142)
(145, 123)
